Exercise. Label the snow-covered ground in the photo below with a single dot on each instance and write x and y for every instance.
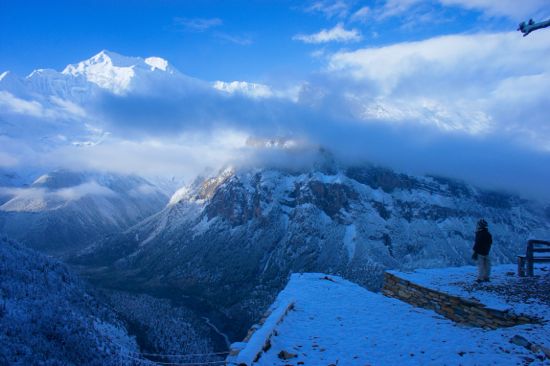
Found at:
(505, 291)
(336, 322)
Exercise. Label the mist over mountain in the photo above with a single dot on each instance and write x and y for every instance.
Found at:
(114, 105)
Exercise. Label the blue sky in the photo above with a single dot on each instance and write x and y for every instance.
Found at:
(424, 86)
(250, 40)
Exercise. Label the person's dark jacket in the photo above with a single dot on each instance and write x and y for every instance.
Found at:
(483, 242)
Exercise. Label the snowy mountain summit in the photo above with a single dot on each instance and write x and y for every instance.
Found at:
(115, 72)
(105, 71)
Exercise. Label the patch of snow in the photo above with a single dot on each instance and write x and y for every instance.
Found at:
(202, 227)
(107, 70)
(349, 240)
(255, 344)
(253, 90)
(40, 199)
(42, 179)
(157, 63)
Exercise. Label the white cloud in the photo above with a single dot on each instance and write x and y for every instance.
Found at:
(253, 90)
(330, 8)
(336, 34)
(7, 160)
(82, 190)
(514, 9)
(183, 155)
(419, 10)
(361, 14)
(463, 116)
(57, 108)
(20, 106)
(396, 7)
(457, 83)
(68, 107)
(379, 103)
(257, 90)
(39, 199)
(241, 40)
(143, 190)
(198, 24)
(319, 53)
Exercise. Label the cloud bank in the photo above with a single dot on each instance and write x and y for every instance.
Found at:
(197, 24)
(470, 106)
(336, 34)
(508, 8)
(38, 199)
(474, 84)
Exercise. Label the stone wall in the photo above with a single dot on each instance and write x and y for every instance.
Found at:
(258, 339)
(458, 309)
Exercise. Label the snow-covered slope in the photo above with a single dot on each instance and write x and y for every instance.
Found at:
(336, 322)
(64, 211)
(234, 238)
(47, 316)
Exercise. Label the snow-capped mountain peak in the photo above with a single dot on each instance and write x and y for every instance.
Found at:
(114, 72)
(157, 63)
(9, 81)
(42, 73)
(3, 75)
(104, 58)
(108, 70)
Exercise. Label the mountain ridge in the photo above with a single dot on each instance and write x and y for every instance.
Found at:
(233, 239)
(63, 210)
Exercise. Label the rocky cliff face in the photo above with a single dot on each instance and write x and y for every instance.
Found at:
(233, 240)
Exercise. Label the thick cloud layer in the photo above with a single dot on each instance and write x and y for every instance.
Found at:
(472, 106)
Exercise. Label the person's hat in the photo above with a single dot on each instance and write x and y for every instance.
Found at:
(482, 224)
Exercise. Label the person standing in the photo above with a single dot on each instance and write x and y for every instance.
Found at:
(482, 247)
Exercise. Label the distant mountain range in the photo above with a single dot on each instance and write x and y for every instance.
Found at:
(63, 211)
(233, 239)
(115, 73)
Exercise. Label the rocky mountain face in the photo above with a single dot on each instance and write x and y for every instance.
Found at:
(64, 211)
(231, 241)
(48, 317)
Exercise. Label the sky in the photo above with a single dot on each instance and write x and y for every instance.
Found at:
(235, 40)
(424, 86)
